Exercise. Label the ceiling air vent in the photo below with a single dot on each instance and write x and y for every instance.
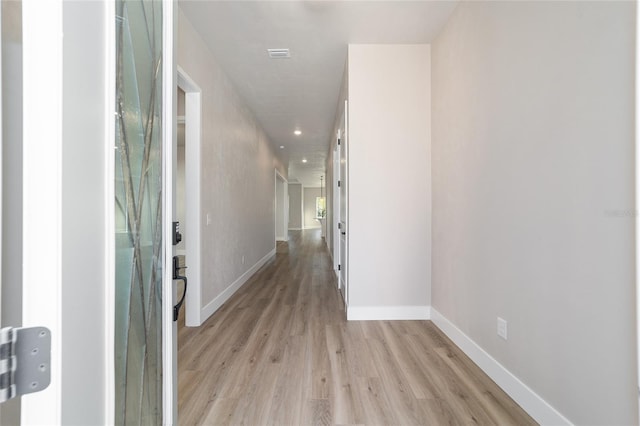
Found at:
(279, 53)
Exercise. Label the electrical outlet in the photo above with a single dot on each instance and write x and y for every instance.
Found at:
(208, 219)
(502, 328)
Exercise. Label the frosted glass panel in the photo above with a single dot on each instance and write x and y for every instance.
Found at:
(138, 207)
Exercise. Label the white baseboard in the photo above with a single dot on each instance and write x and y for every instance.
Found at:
(532, 403)
(295, 229)
(380, 313)
(282, 239)
(215, 304)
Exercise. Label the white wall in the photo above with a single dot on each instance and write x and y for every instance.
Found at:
(295, 206)
(309, 207)
(389, 181)
(237, 174)
(533, 171)
(84, 356)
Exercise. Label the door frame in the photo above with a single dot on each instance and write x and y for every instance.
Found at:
(336, 208)
(280, 180)
(192, 226)
(344, 182)
(169, 121)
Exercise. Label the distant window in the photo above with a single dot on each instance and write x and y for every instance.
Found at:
(321, 207)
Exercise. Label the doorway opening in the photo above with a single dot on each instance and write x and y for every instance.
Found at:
(180, 188)
(281, 207)
(335, 217)
(188, 209)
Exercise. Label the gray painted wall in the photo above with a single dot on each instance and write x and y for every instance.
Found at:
(238, 163)
(295, 206)
(389, 178)
(533, 148)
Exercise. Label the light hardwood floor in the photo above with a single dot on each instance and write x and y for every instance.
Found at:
(280, 352)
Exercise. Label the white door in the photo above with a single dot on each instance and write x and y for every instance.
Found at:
(74, 221)
(335, 217)
(344, 229)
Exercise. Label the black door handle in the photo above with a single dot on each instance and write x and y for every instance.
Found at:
(177, 276)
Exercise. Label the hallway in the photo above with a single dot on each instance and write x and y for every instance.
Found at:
(280, 351)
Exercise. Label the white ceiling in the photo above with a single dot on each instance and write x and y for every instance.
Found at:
(302, 92)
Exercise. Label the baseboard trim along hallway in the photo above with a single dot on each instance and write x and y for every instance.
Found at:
(388, 313)
(531, 402)
(215, 304)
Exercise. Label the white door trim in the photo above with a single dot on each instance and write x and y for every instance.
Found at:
(335, 217)
(169, 328)
(110, 216)
(280, 180)
(345, 182)
(192, 226)
(42, 193)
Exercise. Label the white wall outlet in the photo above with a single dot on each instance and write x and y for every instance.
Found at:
(502, 328)
(208, 219)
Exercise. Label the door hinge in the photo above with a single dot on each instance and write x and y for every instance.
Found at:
(338, 184)
(339, 267)
(338, 141)
(25, 361)
(339, 225)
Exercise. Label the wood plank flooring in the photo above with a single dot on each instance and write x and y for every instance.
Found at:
(280, 352)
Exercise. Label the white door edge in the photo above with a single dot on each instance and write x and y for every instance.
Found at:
(110, 220)
(42, 193)
(169, 329)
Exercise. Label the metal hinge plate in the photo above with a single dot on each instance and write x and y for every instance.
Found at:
(339, 267)
(25, 361)
(338, 184)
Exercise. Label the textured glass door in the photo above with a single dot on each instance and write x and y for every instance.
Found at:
(139, 216)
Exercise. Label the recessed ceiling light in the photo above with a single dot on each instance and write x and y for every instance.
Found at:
(304, 160)
(281, 146)
(297, 132)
